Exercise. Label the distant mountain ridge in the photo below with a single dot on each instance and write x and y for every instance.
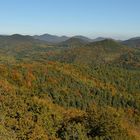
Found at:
(98, 39)
(74, 42)
(85, 39)
(132, 42)
(17, 37)
(51, 38)
(54, 39)
(57, 39)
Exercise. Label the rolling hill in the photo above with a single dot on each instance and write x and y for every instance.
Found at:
(51, 38)
(73, 42)
(74, 90)
(102, 52)
(57, 39)
(133, 42)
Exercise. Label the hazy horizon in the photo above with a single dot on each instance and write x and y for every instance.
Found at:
(90, 37)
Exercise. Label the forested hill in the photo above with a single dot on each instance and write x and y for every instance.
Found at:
(132, 42)
(73, 90)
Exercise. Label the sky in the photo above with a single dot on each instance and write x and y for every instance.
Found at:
(93, 18)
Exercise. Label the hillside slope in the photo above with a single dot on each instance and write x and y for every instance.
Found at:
(133, 42)
(83, 91)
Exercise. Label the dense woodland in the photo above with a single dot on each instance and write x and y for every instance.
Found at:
(73, 90)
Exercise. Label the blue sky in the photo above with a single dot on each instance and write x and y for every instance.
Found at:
(108, 18)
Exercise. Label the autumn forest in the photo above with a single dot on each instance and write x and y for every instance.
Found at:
(70, 90)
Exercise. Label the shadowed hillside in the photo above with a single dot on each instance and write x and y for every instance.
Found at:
(133, 42)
